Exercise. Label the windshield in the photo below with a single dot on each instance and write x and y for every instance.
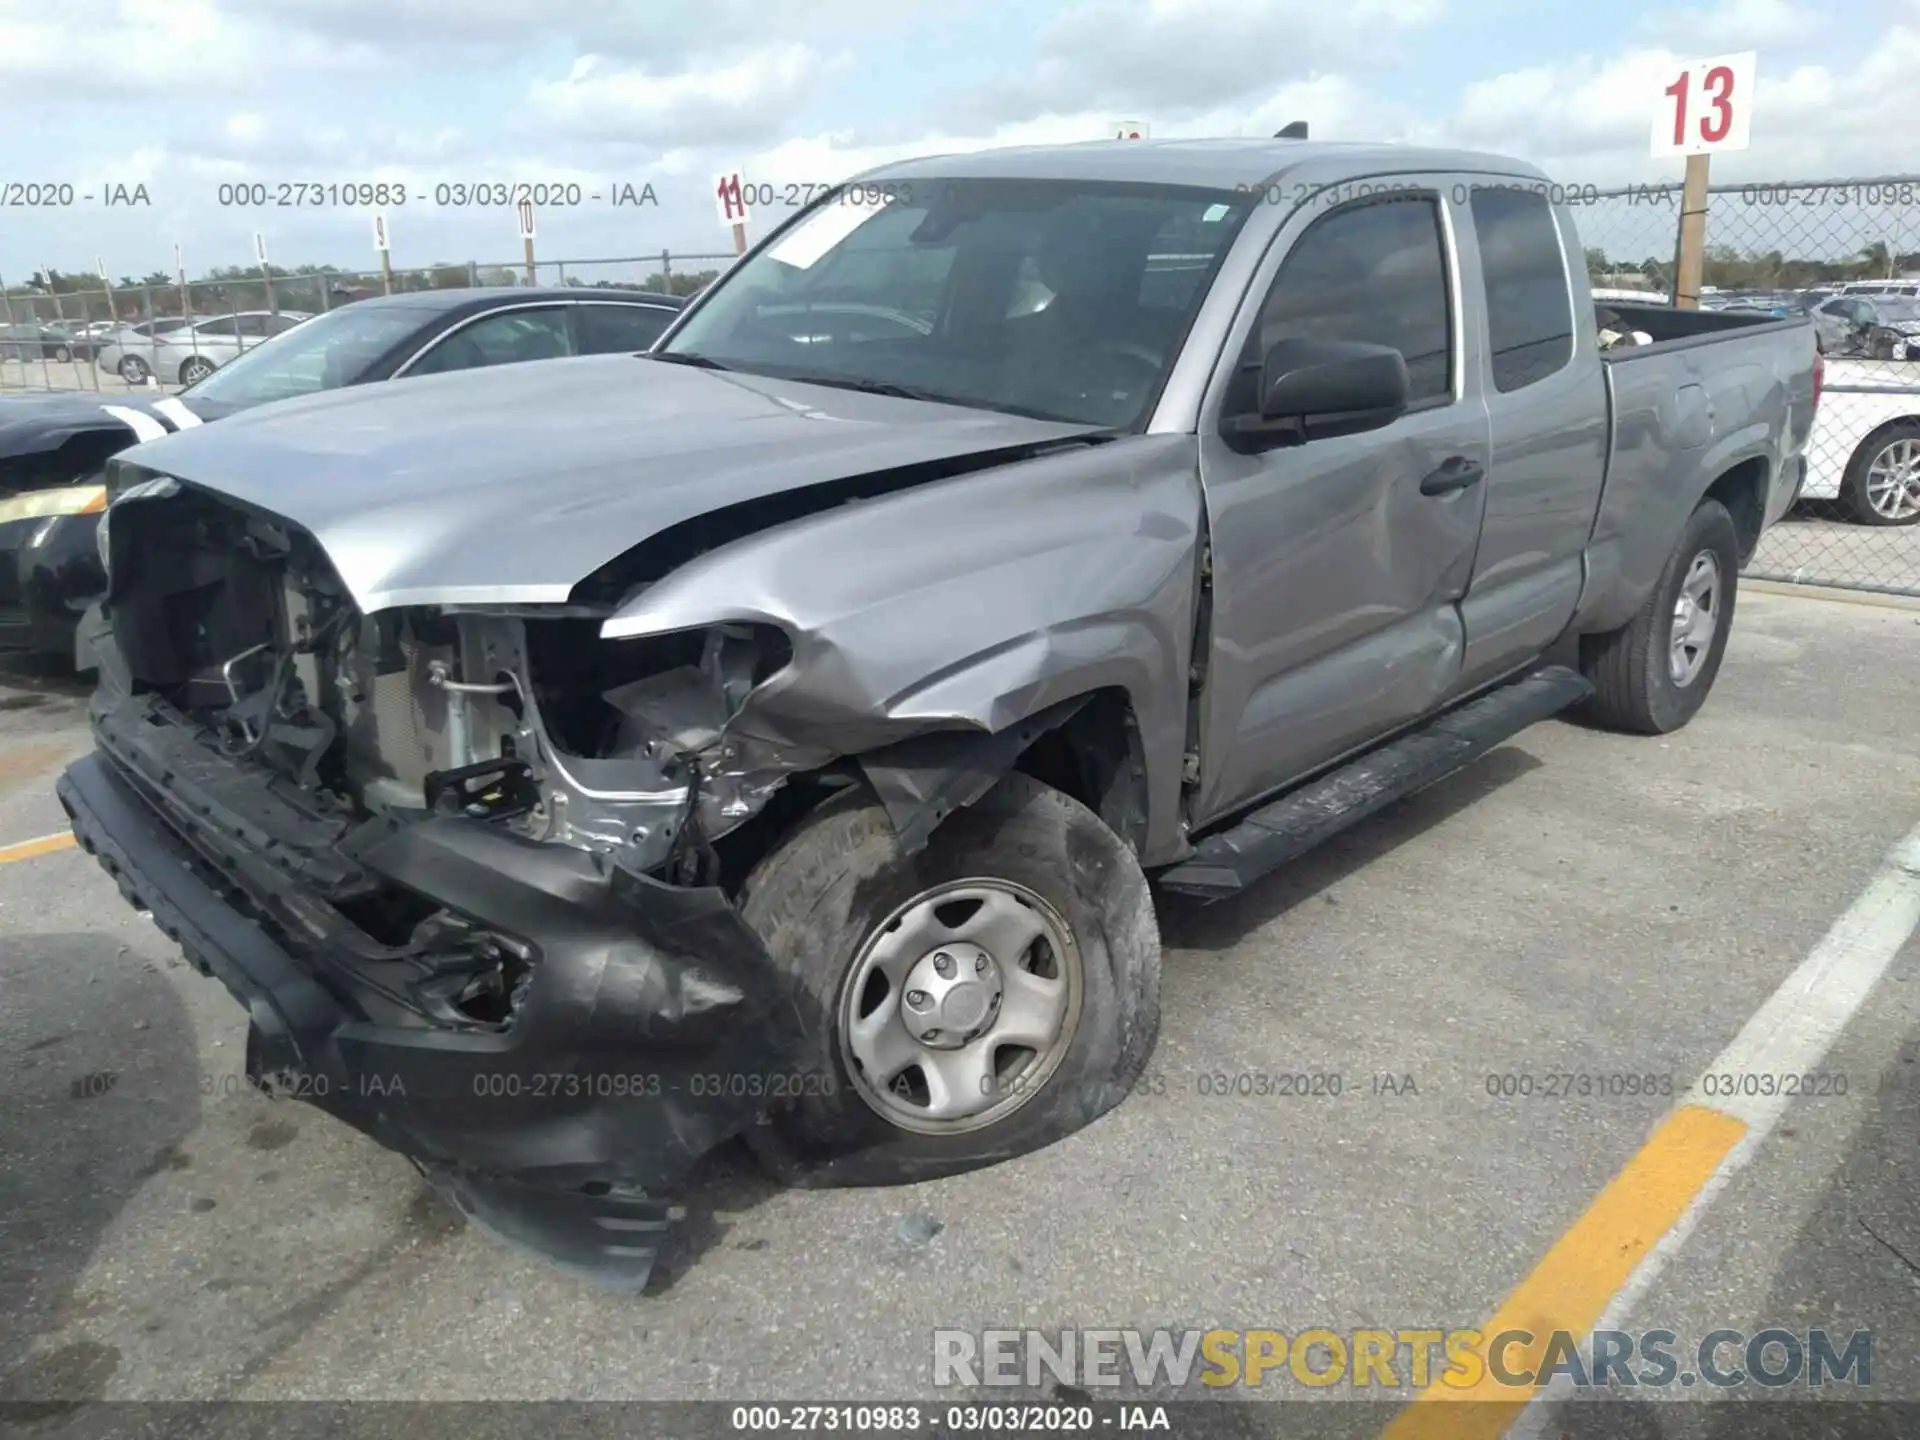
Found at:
(1899, 311)
(323, 353)
(1066, 300)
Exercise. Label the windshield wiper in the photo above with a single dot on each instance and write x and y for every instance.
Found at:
(879, 387)
(687, 357)
(896, 391)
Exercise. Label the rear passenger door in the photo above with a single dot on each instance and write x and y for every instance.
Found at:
(1546, 401)
(1337, 563)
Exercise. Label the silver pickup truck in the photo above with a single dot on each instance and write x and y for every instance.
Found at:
(573, 767)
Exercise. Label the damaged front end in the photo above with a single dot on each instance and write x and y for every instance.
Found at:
(461, 865)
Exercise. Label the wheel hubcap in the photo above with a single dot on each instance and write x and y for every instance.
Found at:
(959, 1007)
(1696, 615)
(1893, 481)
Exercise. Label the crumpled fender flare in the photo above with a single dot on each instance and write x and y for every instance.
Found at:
(923, 780)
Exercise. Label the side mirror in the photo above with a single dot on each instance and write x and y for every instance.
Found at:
(1310, 389)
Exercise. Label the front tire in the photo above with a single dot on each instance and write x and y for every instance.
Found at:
(194, 370)
(1882, 482)
(1652, 675)
(134, 370)
(979, 1000)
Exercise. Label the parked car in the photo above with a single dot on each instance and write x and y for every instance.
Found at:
(787, 720)
(27, 340)
(52, 447)
(1881, 287)
(194, 349)
(1878, 327)
(1865, 450)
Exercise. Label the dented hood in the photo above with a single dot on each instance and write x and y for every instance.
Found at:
(511, 485)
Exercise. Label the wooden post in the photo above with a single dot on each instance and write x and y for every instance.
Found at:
(533, 277)
(386, 272)
(1690, 259)
(739, 238)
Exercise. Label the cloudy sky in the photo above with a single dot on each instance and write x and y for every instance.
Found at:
(186, 95)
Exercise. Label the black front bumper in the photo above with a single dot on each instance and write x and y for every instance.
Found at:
(652, 1026)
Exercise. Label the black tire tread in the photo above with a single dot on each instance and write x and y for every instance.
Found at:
(783, 900)
(1621, 663)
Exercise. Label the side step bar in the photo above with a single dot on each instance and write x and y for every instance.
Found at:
(1287, 828)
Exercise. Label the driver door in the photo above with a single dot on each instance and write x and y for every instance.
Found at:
(1338, 563)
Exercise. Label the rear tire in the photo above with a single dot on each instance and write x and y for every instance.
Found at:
(1895, 450)
(1633, 669)
(838, 892)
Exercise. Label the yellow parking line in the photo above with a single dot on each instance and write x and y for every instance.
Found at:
(1570, 1287)
(43, 845)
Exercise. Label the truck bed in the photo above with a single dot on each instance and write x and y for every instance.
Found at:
(1715, 392)
(1674, 329)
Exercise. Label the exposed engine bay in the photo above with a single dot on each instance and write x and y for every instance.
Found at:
(526, 717)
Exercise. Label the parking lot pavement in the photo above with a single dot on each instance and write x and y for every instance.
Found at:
(1577, 902)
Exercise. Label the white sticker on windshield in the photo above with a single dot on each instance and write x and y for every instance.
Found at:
(1214, 214)
(824, 229)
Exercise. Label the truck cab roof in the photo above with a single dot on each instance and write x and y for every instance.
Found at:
(1212, 163)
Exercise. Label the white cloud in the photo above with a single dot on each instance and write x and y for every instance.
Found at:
(128, 49)
(1733, 25)
(1188, 55)
(739, 103)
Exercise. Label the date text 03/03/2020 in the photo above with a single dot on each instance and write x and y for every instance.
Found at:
(456, 194)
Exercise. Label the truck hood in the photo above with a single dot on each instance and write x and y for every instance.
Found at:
(511, 485)
(38, 424)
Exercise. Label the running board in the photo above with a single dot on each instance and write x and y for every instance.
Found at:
(1287, 828)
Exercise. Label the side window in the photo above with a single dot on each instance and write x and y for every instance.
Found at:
(218, 328)
(1376, 273)
(254, 327)
(1529, 308)
(609, 329)
(278, 324)
(504, 339)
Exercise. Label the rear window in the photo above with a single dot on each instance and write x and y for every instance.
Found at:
(1529, 305)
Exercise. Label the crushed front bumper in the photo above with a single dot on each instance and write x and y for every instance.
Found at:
(651, 1026)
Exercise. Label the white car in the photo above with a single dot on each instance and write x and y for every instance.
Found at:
(179, 353)
(1865, 446)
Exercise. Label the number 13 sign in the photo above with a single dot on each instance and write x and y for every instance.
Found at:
(1706, 106)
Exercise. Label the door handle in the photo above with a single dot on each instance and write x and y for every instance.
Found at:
(1455, 473)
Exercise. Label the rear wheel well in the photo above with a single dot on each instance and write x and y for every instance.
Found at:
(1743, 491)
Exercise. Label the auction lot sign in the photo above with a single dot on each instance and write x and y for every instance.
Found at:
(1707, 107)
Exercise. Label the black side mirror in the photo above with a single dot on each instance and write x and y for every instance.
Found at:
(1311, 389)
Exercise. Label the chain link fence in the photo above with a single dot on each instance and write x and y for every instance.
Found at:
(163, 336)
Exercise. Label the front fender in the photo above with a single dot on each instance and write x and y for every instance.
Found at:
(967, 604)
